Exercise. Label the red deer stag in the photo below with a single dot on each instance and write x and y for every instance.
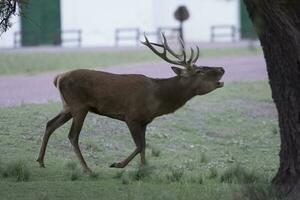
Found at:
(132, 98)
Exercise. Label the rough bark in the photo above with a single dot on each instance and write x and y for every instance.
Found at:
(277, 23)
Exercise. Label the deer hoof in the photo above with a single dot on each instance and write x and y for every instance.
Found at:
(41, 164)
(116, 165)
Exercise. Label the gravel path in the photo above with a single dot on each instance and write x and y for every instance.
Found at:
(24, 89)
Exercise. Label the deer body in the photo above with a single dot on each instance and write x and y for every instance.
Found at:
(132, 98)
(104, 93)
(122, 97)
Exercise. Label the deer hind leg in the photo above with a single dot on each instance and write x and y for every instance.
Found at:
(138, 134)
(143, 150)
(51, 126)
(77, 123)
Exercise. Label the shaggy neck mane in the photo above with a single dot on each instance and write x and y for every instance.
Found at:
(173, 93)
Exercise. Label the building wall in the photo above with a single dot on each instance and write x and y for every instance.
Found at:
(206, 13)
(98, 20)
(7, 38)
(203, 14)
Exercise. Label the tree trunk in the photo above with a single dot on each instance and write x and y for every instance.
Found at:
(277, 23)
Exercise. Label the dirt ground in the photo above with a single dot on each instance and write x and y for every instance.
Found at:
(24, 89)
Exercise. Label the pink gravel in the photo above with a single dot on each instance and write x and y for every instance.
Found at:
(25, 89)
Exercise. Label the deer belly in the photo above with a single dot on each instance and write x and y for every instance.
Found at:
(115, 114)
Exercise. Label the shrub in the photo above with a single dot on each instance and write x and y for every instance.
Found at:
(259, 192)
(118, 174)
(142, 172)
(213, 173)
(238, 174)
(198, 179)
(155, 152)
(275, 131)
(43, 196)
(175, 175)
(203, 158)
(2, 168)
(17, 169)
(75, 175)
(125, 178)
(94, 175)
(70, 165)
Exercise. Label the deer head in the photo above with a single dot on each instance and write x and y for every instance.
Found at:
(204, 78)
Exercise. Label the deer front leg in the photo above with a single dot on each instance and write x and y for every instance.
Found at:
(138, 134)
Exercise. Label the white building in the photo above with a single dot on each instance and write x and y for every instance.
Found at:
(97, 20)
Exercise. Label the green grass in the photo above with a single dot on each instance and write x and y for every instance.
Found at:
(36, 62)
(238, 174)
(213, 148)
(17, 170)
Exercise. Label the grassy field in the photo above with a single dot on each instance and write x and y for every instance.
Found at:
(35, 62)
(220, 146)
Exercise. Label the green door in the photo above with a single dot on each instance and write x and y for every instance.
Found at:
(247, 30)
(40, 23)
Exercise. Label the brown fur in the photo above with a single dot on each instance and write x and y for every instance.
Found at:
(134, 99)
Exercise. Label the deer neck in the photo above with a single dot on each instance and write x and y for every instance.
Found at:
(173, 93)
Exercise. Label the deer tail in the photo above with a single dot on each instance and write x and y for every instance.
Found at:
(55, 81)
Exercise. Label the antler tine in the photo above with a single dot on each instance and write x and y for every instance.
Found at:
(189, 64)
(159, 45)
(163, 54)
(191, 58)
(197, 55)
(165, 43)
(181, 43)
(182, 47)
(148, 44)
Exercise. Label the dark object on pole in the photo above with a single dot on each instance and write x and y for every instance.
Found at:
(181, 14)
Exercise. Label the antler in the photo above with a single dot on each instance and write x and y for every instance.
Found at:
(182, 58)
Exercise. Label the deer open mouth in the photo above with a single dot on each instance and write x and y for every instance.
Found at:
(220, 84)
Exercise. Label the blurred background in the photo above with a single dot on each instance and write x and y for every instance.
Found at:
(50, 37)
(78, 23)
(218, 146)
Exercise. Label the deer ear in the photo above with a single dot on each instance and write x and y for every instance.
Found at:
(177, 71)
